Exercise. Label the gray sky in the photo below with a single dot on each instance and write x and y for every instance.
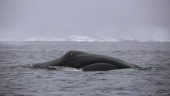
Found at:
(88, 19)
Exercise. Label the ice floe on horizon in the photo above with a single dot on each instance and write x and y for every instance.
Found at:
(74, 38)
(79, 38)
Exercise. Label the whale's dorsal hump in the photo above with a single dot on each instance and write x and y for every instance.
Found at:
(73, 53)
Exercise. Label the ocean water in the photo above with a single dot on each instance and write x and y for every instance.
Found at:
(15, 80)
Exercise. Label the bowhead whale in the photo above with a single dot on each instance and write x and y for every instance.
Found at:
(87, 62)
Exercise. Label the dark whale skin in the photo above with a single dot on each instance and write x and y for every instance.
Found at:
(87, 62)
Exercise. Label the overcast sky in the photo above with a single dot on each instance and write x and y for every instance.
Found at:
(91, 19)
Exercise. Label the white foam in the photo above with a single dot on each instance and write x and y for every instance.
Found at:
(70, 69)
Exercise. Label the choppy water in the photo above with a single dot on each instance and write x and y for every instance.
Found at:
(14, 81)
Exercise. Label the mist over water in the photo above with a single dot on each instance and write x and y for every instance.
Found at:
(84, 20)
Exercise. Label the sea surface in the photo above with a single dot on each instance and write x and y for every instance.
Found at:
(15, 80)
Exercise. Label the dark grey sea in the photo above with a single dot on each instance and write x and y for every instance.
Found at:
(154, 80)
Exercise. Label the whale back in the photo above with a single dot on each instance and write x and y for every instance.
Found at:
(99, 67)
(78, 59)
